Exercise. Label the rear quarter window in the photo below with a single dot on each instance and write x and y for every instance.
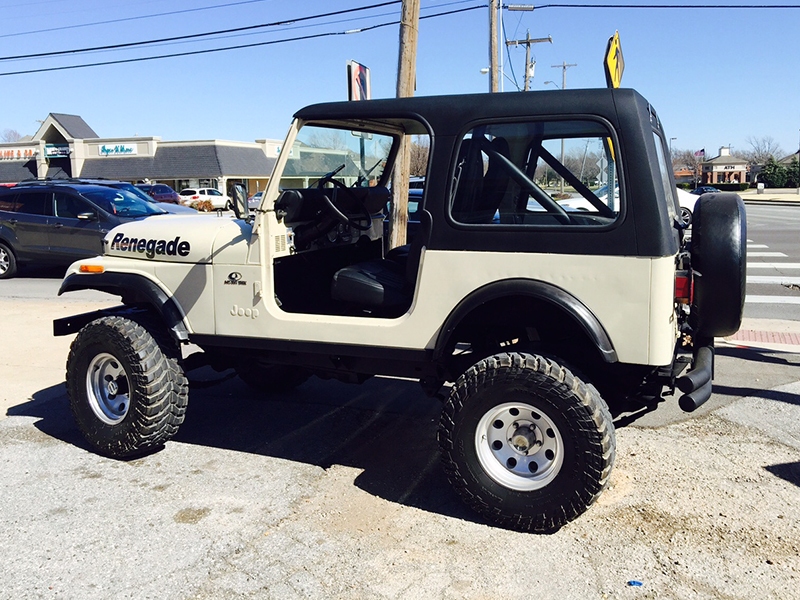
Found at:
(554, 173)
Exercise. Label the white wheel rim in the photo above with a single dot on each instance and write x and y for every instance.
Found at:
(108, 389)
(519, 446)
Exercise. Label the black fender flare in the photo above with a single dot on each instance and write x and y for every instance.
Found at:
(134, 289)
(719, 264)
(531, 288)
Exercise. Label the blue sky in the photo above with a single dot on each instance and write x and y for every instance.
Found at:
(716, 77)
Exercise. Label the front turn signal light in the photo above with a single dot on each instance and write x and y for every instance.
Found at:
(92, 269)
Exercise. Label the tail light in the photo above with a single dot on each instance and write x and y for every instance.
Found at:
(683, 287)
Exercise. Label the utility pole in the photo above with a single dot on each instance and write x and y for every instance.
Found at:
(564, 66)
(528, 41)
(493, 70)
(406, 80)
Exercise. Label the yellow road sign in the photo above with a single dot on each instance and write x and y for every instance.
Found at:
(614, 63)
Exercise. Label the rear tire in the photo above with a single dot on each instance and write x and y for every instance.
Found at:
(127, 392)
(686, 216)
(525, 443)
(8, 262)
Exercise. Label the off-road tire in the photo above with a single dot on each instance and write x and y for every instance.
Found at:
(8, 262)
(719, 262)
(575, 456)
(269, 378)
(142, 366)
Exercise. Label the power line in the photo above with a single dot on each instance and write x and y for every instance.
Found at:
(656, 6)
(126, 19)
(199, 35)
(239, 47)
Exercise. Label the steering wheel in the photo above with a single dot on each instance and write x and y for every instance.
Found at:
(330, 207)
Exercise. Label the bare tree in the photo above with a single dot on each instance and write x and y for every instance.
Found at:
(330, 139)
(11, 135)
(687, 159)
(420, 147)
(761, 148)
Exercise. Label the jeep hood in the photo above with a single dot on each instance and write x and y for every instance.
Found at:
(183, 239)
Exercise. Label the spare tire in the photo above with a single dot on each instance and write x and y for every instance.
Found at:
(719, 263)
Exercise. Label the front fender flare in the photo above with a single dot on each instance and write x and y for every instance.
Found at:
(539, 290)
(134, 289)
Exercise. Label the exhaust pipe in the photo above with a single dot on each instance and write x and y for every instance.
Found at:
(696, 385)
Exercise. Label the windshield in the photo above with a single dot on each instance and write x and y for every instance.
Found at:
(359, 158)
(133, 190)
(121, 202)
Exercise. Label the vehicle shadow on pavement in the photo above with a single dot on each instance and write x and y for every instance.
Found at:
(787, 471)
(386, 428)
(764, 355)
(51, 407)
(747, 392)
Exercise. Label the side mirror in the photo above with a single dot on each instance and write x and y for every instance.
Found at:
(87, 216)
(239, 201)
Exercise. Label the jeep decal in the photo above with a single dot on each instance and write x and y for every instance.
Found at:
(150, 248)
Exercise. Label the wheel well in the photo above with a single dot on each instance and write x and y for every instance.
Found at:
(525, 323)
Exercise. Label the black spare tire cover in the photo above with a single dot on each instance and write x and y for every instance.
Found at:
(719, 263)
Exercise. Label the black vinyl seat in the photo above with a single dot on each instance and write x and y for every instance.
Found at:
(386, 283)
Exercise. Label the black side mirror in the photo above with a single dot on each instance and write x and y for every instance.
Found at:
(239, 203)
(87, 216)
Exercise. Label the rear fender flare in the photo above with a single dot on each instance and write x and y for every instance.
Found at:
(539, 290)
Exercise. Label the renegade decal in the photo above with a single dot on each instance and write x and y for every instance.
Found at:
(150, 248)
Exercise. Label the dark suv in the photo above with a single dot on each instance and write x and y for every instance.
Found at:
(55, 223)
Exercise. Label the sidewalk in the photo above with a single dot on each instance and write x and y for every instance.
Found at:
(769, 334)
(787, 196)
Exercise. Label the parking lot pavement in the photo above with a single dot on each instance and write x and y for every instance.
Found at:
(335, 491)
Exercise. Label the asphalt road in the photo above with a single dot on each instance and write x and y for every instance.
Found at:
(773, 262)
(335, 491)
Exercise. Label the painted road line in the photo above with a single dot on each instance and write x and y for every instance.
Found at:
(776, 280)
(754, 246)
(772, 265)
(772, 299)
(767, 254)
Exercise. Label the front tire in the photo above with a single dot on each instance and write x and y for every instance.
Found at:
(8, 262)
(127, 392)
(525, 443)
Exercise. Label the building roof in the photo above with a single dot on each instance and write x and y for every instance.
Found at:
(75, 126)
(184, 162)
(726, 160)
(17, 170)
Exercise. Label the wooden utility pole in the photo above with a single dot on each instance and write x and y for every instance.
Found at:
(564, 66)
(493, 69)
(528, 41)
(406, 81)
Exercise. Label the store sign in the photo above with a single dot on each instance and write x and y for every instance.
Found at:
(118, 150)
(19, 153)
(55, 150)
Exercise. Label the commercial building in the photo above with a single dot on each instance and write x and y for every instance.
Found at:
(66, 146)
(724, 169)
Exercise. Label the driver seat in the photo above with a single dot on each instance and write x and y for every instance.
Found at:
(384, 285)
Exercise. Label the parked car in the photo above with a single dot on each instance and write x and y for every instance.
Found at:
(704, 189)
(160, 192)
(122, 185)
(254, 201)
(57, 223)
(686, 200)
(218, 199)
